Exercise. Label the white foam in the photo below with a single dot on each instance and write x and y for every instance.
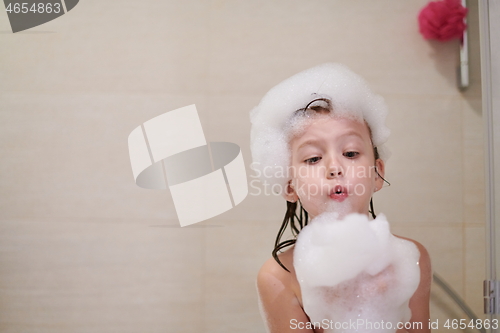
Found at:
(349, 94)
(355, 270)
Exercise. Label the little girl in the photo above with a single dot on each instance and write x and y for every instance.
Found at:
(318, 136)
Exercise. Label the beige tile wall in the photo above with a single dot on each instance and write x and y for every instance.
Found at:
(83, 249)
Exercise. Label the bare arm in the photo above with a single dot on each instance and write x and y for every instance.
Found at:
(419, 303)
(281, 309)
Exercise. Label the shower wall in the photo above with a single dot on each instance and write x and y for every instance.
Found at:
(82, 248)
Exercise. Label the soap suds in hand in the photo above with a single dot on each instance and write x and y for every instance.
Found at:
(355, 270)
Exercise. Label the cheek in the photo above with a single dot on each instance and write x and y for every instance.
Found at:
(361, 174)
(364, 186)
(308, 188)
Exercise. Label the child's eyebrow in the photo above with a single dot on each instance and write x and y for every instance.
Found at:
(352, 133)
(307, 143)
(312, 142)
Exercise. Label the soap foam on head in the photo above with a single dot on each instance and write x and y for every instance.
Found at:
(272, 119)
(355, 269)
(300, 121)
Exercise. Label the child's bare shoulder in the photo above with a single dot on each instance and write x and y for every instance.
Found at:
(424, 255)
(272, 268)
(271, 275)
(424, 260)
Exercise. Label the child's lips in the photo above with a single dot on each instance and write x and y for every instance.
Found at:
(339, 193)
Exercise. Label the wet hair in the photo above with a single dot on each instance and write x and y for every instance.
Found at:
(299, 218)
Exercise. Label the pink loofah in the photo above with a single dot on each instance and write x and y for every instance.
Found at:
(442, 20)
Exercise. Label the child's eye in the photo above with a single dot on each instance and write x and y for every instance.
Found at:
(351, 154)
(312, 160)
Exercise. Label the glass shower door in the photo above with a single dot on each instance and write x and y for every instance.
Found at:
(489, 12)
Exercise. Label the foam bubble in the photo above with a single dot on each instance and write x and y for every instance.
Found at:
(339, 209)
(354, 269)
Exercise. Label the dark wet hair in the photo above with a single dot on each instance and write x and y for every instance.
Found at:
(299, 218)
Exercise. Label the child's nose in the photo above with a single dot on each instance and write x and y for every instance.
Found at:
(335, 173)
(334, 170)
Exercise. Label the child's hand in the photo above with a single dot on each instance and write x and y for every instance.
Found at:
(378, 284)
(361, 289)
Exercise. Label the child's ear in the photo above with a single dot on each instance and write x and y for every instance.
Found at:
(290, 193)
(379, 174)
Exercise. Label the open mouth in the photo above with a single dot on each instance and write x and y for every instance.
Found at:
(339, 193)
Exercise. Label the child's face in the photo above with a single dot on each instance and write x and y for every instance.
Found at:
(333, 167)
